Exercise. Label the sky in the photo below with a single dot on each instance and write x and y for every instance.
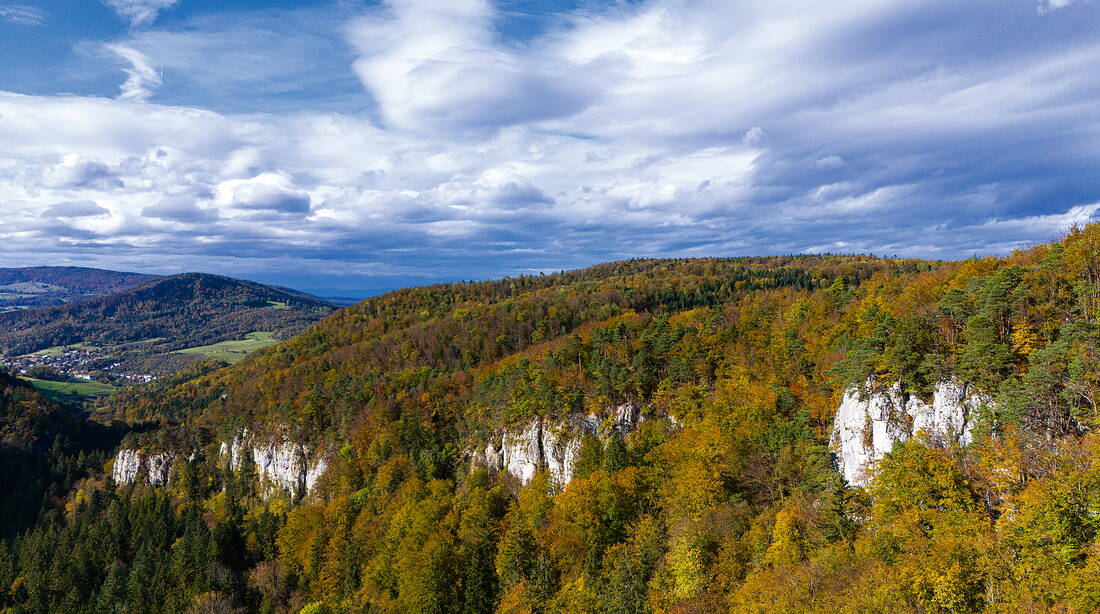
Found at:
(351, 146)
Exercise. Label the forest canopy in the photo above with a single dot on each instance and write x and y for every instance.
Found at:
(726, 498)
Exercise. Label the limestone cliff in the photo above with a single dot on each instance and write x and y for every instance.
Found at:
(135, 465)
(553, 445)
(867, 426)
(278, 462)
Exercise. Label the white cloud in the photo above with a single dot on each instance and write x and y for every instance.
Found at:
(754, 135)
(274, 60)
(632, 132)
(141, 77)
(434, 65)
(272, 192)
(22, 14)
(829, 162)
(1046, 6)
(76, 171)
(139, 12)
(75, 208)
(1047, 226)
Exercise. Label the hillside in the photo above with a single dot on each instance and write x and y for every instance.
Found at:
(44, 451)
(28, 287)
(142, 329)
(665, 436)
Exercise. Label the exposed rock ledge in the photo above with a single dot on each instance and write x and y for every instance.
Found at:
(554, 446)
(133, 464)
(279, 463)
(282, 463)
(866, 427)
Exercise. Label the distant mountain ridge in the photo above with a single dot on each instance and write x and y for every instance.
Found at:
(28, 287)
(146, 325)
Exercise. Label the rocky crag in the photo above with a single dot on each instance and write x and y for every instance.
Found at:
(279, 463)
(554, 445)
(868, 424)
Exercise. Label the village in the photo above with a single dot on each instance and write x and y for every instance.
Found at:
(74, 364)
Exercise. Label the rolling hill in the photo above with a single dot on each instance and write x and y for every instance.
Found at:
(28, 287)
(161, 325)
(791, 434)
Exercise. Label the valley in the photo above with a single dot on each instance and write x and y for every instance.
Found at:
(101, 340)
(801, 433)
(549, 307)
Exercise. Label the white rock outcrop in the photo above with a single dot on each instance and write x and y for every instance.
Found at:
(866, 427)
(554, 446)
(278, 462)
(132, 465)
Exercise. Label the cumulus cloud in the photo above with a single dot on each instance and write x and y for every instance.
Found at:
(75, 208)
(139, 12)
(434, 65)
(271, 192)
(22, 14)
(665, 128)
(141, 77)
(76, 171)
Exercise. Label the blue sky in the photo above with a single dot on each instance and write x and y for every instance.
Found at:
(342, 146)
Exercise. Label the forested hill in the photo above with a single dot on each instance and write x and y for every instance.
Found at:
(28, 287)
(44, 450)
(694, 400)
(164, 315)
(367, 355)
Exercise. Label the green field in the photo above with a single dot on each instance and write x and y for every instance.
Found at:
(58, 350)
(277, 305)
(234, 351)
(71, 391)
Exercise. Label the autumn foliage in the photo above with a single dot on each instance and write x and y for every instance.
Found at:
(734, 505)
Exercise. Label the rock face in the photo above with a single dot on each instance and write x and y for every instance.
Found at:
(278, 463)
(133, 465)
(867, 427)
(539, 444)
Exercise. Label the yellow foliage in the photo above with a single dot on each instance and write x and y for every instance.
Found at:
(786, 547)
(514, 600)
(1024, 339)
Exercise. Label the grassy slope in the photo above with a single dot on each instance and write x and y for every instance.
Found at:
(71, 391)
(236, 350)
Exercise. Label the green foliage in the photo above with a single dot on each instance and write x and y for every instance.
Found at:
(30, 287)
(140, 328)
(724, 498)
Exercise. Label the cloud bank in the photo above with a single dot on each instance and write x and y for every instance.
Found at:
(667, 128)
